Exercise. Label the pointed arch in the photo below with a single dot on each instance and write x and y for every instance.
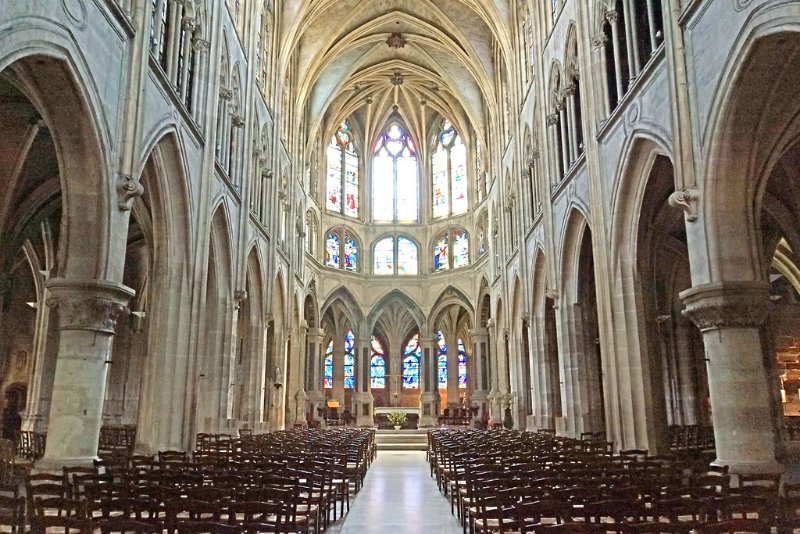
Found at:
(402, 298)
(450, 296)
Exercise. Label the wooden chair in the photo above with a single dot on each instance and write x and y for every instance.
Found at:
(123, 525)
(756, 526)
(12, 514)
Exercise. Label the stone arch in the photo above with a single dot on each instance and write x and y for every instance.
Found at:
(400, 297)
(53, 80)
(251, 362)
(450, 296)
(581, 360)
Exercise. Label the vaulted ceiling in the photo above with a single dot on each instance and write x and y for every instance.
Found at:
(416, 59)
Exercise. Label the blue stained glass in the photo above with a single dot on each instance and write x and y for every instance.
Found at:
(411, 358)
(378, 372)
(327, 380)
(442, 360)
(349, 362)
(440, 262)
(332, 250)
(462, 365)
(377, 366)
(350, 254)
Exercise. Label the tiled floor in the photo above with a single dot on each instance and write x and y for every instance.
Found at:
(399, 496)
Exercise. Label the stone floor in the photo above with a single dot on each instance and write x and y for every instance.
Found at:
(399, 496)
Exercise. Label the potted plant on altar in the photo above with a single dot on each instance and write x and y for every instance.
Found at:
(398, 419)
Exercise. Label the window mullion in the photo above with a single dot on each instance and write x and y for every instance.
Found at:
(342, 184)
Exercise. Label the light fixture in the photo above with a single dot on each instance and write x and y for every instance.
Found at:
(33, 305)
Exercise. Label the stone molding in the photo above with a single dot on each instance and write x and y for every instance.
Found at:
(717, 305)
(686, 200)
(92, 305)
(128, 189)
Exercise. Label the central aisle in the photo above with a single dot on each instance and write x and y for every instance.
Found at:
(399, 496)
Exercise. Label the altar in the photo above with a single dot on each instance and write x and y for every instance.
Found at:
(392, 409)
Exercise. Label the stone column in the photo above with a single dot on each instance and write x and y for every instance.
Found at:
(301, 396)
(613, 20)
(555, 160)
(87, 312)
(429, 398)
(564, 125)
(731, 316)
(452, 370)
(316, 397)
(338, 370)
(480, 381)
(632, 39)
(495, 411)
(651, 22)
(363, 395)
(599, 43)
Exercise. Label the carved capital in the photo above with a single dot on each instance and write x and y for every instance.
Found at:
(727, 304)
(552, 294)
(532, 159)
(240, 295)
(237, 121)
(552, 119)
(199, 43)
(189, 24)
(686, 200)
(612, 17)
(599, 40)
(225, 94)
(128, 188)
(569, 90)
(267, 173)
(92, 305)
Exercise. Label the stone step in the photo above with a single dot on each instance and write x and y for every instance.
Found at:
(401, 440)
(402, 446)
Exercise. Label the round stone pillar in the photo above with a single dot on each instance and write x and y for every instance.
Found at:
(364, 402)
(730, 316)
(87, 314)
(429, 396)
(316, 397)
(480, 356)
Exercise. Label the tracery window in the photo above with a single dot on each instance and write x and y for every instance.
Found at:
(462, 365)
(174, 41)
(395, 255)
(449, 171)
(341, 250)
(451, 250)
(411, 358)
(343, 173)
(349, 362)
(441, 360)
(394, 177)
(327, 367)
(377, 365)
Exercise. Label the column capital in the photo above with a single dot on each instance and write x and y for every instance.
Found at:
(92, 305)
(739, 304)
(315, 335)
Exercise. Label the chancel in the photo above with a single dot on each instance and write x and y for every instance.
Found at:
(270, 225)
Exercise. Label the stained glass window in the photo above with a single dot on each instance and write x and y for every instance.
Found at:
(460, 249)
(442, 360)
(451, 251)
(350, 253)
(449, 170)
(440, 261)
(411, 358)
(377, 366)
(332, 249)
(342, 173)
(394, 177)
(334, 256)
(407, 260)
(327, 369)
(462, 365)
(386, 256)
(349, 362)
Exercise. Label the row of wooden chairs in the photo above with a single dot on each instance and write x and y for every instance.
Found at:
(512, 481)
(298, 489)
